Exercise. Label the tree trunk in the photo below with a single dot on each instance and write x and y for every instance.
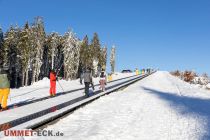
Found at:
(16, 79)
(23, 78)
(33, 75)
(26, 82)
(36, 72)
(37, 75)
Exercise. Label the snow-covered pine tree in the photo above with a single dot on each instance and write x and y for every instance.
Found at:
(112, 59)
(8, 43)
(71, 52)
(54, 54)
(95, 67)
(83, 47)
(102, 60)
(85, 54)
(52, 43)
(103, 57)
(59, 56)
(11, 54)
(1, 35)
(45, 65)
(1, 47)
(95, 53)
(24, 47)
(38, 36)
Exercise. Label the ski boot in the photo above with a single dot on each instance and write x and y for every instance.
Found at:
(3, 109)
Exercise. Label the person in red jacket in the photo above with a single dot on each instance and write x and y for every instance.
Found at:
(52, 83)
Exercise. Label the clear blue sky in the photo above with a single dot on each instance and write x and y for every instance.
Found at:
(168, 34)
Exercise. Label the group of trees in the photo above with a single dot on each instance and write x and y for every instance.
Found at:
(29, 53)
(187, 76)
(192, 77)
(92, 55)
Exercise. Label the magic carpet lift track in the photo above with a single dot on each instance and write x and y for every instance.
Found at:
(15, 105)
(81, 102)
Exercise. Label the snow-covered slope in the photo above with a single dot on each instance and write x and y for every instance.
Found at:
(159, 107)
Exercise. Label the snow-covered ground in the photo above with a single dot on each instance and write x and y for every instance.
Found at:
(40, 89)
(159, 107)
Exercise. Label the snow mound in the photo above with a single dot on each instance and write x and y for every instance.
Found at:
(44, 82)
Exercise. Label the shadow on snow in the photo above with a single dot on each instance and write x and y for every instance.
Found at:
(187, 106)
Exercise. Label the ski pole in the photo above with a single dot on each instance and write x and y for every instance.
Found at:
(59, 68)
(10, 97)
(60, 86)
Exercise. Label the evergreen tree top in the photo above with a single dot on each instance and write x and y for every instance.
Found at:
(95, 41)
(26, 26)
(1, 34)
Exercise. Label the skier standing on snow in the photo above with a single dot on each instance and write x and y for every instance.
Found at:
(102, 80)
(52, 83)
(87, 80)
(4, 89)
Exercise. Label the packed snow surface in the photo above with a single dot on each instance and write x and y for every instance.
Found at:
(159, 107)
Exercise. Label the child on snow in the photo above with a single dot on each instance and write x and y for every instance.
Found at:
(102, 80)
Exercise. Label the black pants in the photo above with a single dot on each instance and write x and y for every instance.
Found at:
(92, 85)
(80, 81)
(87, 84)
